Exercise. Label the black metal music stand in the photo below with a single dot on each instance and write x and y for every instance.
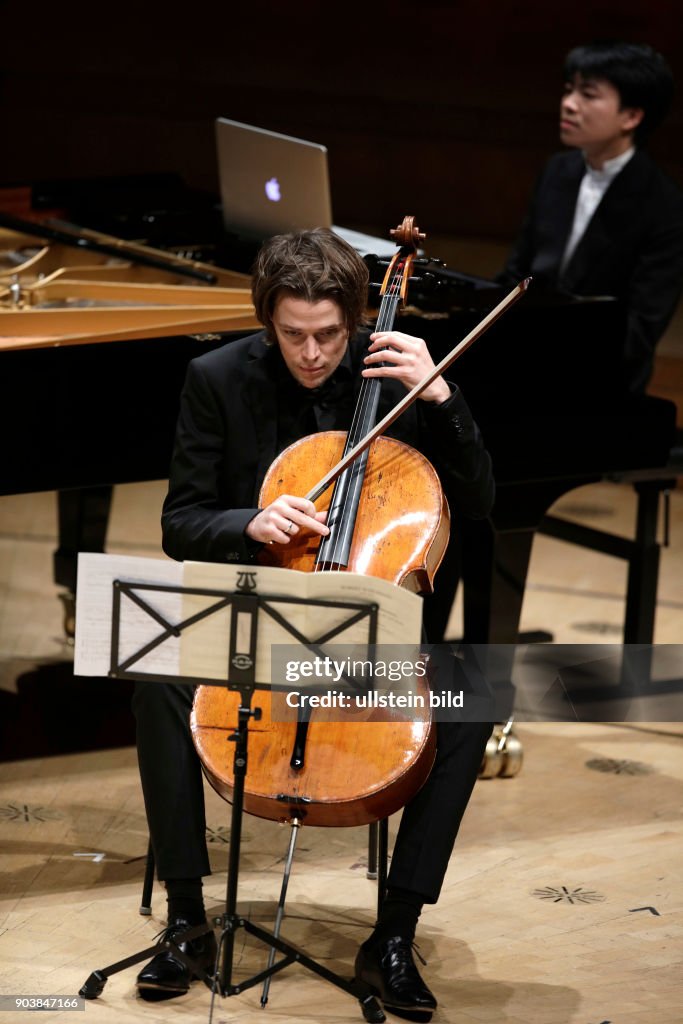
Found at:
(241, 677)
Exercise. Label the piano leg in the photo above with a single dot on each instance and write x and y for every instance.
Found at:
(495, 562)
(82, 518)
(643, 568)
(641, 554)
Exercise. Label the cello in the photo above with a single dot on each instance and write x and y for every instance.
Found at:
(350, 774)
(387, 517)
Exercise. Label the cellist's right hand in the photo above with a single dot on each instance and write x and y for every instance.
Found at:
(284, 518)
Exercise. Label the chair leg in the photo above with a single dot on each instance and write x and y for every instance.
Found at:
(372, 851)
(378, 856)
(382, 862)
(146, 905)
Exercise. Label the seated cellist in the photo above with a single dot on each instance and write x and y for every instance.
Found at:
(241, 405)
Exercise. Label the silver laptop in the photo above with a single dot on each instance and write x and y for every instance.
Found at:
(272, 183)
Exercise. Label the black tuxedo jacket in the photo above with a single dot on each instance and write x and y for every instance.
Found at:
(632, 248)
(227, 438)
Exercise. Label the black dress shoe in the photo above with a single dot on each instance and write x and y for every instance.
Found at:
(166, 976)
(389, 969)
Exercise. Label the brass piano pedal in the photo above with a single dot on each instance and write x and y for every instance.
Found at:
(503, 755)
(492, 761)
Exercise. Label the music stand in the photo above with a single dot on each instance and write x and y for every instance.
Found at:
(241, 677)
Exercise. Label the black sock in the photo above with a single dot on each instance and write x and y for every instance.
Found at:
(400, 910)
(184, 897)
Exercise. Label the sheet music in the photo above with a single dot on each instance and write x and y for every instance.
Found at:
(400, 615)
(96, 574)
(204, 647)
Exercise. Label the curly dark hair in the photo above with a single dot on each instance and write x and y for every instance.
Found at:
(311, 265)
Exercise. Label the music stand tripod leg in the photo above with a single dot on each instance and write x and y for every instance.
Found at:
(95, 982)
(230, 920)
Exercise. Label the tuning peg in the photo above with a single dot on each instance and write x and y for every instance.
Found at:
(426, 281)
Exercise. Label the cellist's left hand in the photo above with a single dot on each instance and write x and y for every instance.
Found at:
(407, 359)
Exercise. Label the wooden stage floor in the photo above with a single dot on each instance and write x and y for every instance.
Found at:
(563, 903)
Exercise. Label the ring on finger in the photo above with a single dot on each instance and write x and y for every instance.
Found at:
(290, 524)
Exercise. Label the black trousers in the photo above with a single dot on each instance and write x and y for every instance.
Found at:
(174, 796)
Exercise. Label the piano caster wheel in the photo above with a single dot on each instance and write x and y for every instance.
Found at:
(493, 758)
(513, 755)
(69, 608)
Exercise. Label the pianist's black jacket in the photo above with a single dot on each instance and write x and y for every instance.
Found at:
(227, 438)
(632, 248)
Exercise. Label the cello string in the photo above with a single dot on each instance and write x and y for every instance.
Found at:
(370, 391)
(359, 415)
(354, 476)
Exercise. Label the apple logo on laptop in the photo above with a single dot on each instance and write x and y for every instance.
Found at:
(273, 190)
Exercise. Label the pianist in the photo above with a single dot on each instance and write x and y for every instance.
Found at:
(240, 406)
(604, 219)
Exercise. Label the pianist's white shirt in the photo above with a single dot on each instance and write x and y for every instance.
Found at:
(593, 186)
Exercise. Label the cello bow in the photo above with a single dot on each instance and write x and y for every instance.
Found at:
(415, 392)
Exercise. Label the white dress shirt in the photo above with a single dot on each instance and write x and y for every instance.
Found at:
(593, 186)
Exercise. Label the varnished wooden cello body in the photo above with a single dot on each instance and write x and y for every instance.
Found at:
(388, 517)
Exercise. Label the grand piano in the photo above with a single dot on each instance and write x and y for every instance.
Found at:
(543, 385)
(86, 414)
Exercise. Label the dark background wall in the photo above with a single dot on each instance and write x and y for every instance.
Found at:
(446, 110)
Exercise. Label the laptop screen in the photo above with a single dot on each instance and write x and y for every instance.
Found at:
(270, 183)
